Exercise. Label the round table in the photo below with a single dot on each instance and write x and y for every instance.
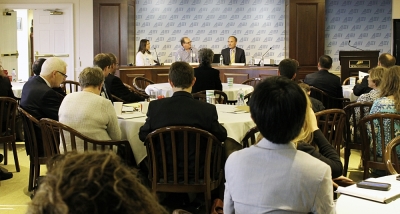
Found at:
(17, 88)
(236, 123)
(231, 91)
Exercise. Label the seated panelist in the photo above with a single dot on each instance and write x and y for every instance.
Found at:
(143, 56)
(233, 54)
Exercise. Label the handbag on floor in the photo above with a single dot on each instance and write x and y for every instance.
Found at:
(217, 207)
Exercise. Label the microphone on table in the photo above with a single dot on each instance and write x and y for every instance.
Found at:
(355, 47)
(263, 56)
(158, 61)
(191, 53)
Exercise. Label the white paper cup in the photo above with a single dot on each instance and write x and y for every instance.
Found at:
(144, 107)
(230, 81)
(352, 80)
(118, 108)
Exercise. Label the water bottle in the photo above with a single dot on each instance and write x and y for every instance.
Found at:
(221, 60)
(252, 61)
(147, 61)
(14, 75)
(179, 58)
(240, 98)
(262, 62)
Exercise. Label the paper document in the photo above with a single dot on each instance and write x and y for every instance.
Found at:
(361, 75)
(131, 115)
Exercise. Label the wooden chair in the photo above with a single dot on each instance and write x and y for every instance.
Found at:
(70, 86)
(391, 158)
(347, 80)
(32, 132)
(250, 135)
(54, 135)
(247, 97)
(391, 124)
(353, 136)
(8, 113)
(184, 159)
(252, 81)
(117, 99)
(220, 96)
(332, 123)
(140, 83)
(328, 101)
(138, 92)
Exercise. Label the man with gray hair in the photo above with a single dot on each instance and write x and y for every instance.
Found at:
(38, 98)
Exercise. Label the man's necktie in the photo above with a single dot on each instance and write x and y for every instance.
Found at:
(105, 92)
(232, 56)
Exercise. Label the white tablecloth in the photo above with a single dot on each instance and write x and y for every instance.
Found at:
(348, 92)
(236, 125)
(17, 88)
(231, 91)
(347, 204)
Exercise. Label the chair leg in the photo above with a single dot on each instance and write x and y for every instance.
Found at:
(31, 176)
(5, 154)
(14, 147)
(347, 153)
(366, 170)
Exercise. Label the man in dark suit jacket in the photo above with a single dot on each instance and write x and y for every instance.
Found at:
(240, 56)
(385, 60)
(104, 62)
(117, 87)
(207, 78)
(324, 80)
(38, 98)
(182, 109)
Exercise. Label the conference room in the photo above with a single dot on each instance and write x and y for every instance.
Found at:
(269, 28)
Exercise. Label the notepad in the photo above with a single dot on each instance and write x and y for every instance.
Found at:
(373, 195)
(130, 116)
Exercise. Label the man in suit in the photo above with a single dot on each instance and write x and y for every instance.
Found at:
(38, 98)
(116, 86)
(104, 62)
(233, 54)
(324, 80)
(385, 60)
(273, 176)
(288, 68)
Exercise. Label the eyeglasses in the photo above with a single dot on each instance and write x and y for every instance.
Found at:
(188, 42)
(63, 74)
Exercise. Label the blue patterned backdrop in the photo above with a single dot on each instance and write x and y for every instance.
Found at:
(258, 25)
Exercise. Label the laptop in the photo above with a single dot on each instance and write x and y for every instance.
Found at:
(216, 58)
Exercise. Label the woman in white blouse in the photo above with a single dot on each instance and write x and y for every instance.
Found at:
(143, 56)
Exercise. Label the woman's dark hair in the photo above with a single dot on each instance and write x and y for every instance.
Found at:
(142, 46)
(278, 107)
(206, 57)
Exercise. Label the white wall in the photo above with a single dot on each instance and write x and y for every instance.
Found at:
(83, 26)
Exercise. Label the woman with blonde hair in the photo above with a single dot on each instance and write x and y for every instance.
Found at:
(92, 182)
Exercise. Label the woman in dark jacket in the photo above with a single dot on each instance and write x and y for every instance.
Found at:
(207, 78)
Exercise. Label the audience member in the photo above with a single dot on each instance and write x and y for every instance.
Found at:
(187, 53)
(92, 182)
(288, 68)
(117, 87)
(104, 62)
(143, 56)
(324, 80)
(301, 183)
(233, 54)
(78, 110)
(38, 98)
(207, 78)
(37, 68)
(5, 91)
(385, 60)
(389, 102)
(316, 104)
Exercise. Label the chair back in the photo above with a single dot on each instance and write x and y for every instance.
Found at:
(8, 113)
(332, 123)
(391, 158)
(184, 159)
(347, 80)
(140, 83)
(136, 91)
(69, 86)
(328, 101)
(252, 81)
(56, 135)
(220, 96)
(250, 137)
(376, 131)
(117, 99)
